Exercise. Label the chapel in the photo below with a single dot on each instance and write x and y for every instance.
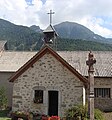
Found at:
(50, 81)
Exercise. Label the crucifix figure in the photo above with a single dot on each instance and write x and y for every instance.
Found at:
(50, 13)
(90, 62)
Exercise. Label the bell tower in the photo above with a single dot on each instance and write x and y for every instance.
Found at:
(50, 34)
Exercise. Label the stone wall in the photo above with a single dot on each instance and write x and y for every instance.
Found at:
(4, 76)
(47, 74)
(104, 104)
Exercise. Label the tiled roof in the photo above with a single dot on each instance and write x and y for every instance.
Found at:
(46, 49)
(12, 61)
(50, 28)
(77, 59)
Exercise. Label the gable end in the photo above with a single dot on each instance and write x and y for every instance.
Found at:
(41, 53)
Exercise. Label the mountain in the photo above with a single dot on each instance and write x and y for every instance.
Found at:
(19, 37)
(73, 30)
(36, 28)
(73, 36)
(82, 45)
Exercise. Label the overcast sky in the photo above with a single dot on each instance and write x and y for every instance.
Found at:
(94, 14)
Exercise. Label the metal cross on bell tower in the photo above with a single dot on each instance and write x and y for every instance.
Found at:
(90, 62)
(50, 14)
(50, 33)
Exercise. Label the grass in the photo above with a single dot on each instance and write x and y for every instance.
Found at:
(5, 118)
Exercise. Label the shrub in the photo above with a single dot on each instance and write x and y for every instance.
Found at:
(3, 99)
(77, 111)
(98, 115)
(81, 112)
(21, 114)
(4, 113)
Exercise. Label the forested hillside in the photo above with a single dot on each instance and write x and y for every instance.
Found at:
(19, 37)
(30, 38)
(71, 44)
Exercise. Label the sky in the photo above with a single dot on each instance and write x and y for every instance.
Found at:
(94, 14)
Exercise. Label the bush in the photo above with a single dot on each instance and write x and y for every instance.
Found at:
(98, 115)
(77, 111)
(21, 114)
(3, 99)
(81, 112)
(4, 113)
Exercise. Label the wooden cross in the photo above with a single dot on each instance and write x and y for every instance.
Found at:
(50, 13)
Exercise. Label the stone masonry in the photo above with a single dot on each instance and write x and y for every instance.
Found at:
(104, 104)
(47, 74)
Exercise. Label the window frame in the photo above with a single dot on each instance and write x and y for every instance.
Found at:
(38, 96)
(41, 88)
(102, 92)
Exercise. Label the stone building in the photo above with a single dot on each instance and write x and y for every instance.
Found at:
(47, 84)
(47, 73)
(10, 62)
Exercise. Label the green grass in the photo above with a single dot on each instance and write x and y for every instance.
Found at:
(5, 118)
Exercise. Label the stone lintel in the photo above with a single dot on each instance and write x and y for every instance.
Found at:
(16, 96)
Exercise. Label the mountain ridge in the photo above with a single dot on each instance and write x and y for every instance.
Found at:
(72, 30)
(78, 31)
(20, 37)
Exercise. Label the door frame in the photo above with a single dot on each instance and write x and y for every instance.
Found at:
(47, 100)
(56, 93)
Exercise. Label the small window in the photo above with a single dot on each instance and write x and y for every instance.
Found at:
(102, 92)
(38, 96)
